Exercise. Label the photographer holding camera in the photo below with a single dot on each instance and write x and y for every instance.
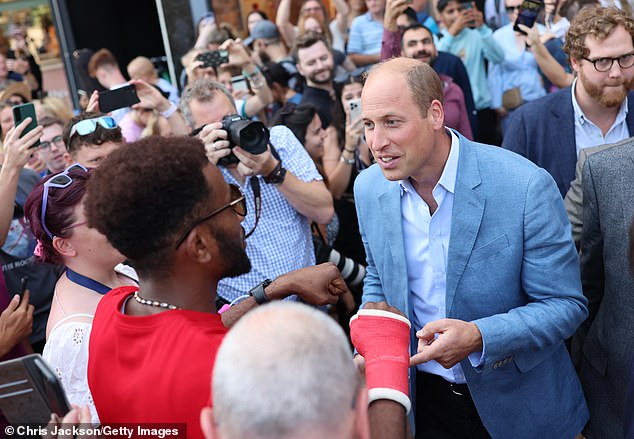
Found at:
(278, 170)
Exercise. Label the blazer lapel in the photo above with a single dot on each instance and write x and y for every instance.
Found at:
(629, 119)
(396, 284)
(627, 194)
(468, 210)
(562, 130)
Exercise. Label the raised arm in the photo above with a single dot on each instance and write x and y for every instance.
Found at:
(547, 64)
(283, 22)
(17, 154)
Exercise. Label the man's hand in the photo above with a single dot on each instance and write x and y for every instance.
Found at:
(393, 8)
(16, 322)
(149, 96)
(238, 54)
(18, 65)
(36, 164)
(318, 285)
(477, 18)
(215, 141)
(354, 131)
(196, 70)
(17, 149)
(465, 18)
(255, 164)
(93, 103)
(76, 416)
(447, 341)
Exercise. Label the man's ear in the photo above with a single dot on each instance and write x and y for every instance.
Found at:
(575, 64)
(208, 424)
(68, 159)
(299, 70)
(437, 114)
(201, 245)
(64, 247)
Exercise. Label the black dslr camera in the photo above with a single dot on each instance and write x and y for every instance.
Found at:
(252, 136)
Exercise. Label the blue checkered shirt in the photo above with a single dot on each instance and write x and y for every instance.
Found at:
(282, 242)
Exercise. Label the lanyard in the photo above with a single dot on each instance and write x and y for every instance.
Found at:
(87, 282)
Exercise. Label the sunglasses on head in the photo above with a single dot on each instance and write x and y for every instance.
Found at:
(88, 126)
(59, 181)
(357, 75)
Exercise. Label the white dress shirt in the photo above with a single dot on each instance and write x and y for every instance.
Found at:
(426, 239)
(587, 134)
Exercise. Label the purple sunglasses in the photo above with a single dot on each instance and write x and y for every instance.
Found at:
(59, 181)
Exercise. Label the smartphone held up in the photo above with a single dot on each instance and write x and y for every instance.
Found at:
(21, 112)
(529, 11)
(121, 97)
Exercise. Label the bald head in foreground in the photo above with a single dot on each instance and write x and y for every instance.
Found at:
(286, 371)
(305, 385)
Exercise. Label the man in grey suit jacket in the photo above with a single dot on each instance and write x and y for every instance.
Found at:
(472, 243)
(574, 196)
(605, 341)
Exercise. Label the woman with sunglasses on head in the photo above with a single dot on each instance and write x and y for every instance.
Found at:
(55, 209)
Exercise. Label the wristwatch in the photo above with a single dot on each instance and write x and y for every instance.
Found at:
(277, 175)
(258, 293)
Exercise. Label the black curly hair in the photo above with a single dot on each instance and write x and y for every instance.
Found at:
(142, 196)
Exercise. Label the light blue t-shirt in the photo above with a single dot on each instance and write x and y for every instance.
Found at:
(473, 46)
(366, 35)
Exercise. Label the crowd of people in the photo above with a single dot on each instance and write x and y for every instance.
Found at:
(436, 198)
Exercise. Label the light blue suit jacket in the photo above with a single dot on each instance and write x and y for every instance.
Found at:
(512, 269)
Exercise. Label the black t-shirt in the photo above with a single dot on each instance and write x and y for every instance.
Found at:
(17, 261)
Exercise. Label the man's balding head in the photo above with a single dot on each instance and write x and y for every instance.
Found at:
(304, 385)
(422, 81)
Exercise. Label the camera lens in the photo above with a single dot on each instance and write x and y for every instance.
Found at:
(254, 138)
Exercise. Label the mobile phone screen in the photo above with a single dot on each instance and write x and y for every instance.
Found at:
(529, 11)
(122, 97)
(466, 6)
(21, 112)
(239, 83)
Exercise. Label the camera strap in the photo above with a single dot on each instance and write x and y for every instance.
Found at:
(274, 152)
(254, 182)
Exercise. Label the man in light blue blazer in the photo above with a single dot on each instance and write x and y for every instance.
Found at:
(472, 243)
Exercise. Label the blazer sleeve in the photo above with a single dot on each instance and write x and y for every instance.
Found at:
(574, 200)
(555, 306)
(592, 270)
